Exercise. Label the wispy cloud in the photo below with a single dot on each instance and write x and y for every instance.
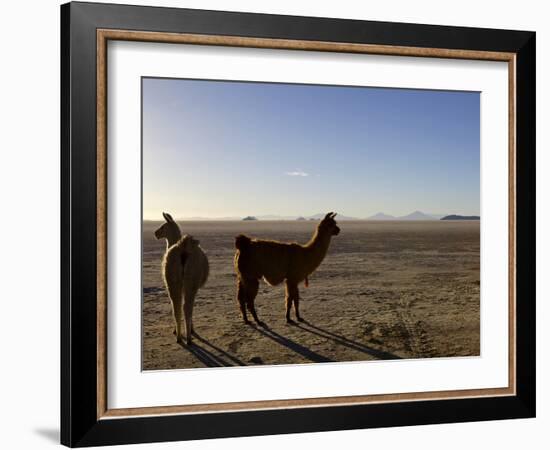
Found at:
(297, 173)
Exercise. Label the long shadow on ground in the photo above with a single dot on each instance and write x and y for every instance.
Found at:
(210, 359)
(205, 356)
(342, 340)
(234, 359)
(213, 356)
(292, 345)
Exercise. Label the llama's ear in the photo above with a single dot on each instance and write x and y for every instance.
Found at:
(333, 215)
(328, 215)
(167, 217)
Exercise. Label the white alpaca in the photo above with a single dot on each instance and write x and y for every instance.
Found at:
(185, 270)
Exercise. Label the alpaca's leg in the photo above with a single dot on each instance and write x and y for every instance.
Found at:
(188, 313)
(251, 292)
(241, 297)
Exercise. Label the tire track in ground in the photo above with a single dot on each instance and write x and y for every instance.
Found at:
(418, 339)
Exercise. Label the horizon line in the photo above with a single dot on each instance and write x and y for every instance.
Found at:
(285, 217)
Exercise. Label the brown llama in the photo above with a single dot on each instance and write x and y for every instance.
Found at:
(276, 262)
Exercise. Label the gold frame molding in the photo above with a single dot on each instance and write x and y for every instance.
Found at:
(104, 35)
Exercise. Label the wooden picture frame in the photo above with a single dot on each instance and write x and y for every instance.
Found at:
(86, 418)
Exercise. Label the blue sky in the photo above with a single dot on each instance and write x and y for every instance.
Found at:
(218, 149)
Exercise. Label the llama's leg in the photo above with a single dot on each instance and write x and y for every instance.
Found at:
(297, 304)
(177, 311)
(288, 302)
(241, 297)
(188, 313)
(251, 292)
(174, 292)
(292, 296)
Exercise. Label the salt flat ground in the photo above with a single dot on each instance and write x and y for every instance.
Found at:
(385, 290)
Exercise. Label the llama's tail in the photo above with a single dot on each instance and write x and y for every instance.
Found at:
(242, 242)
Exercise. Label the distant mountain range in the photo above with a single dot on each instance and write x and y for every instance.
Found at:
(457, 217)
(317, 216)
(416, 215)
(320, 216)
(381, 216)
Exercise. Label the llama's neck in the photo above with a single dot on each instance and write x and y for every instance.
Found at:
(317, 248)
(173, 237)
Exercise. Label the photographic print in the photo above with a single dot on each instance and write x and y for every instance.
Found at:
(294, 223)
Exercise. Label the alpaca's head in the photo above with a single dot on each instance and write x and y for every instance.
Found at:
(189, 243)
(328, 225)
(168, 230)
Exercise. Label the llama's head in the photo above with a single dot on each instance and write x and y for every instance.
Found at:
(189, 243)
(328, 225)
(168, 230)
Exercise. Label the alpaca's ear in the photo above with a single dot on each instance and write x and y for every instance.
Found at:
(333, 215)
(328, 215)
(167, 217)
